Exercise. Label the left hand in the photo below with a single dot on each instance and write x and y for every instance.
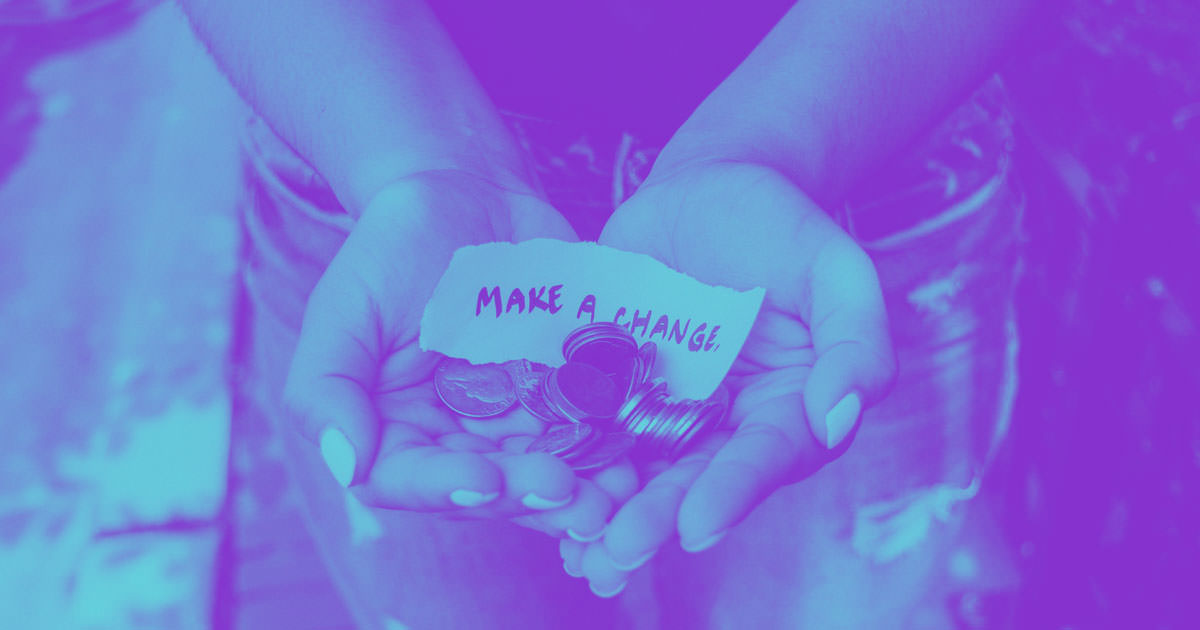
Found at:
(818, 353)
(360, 388)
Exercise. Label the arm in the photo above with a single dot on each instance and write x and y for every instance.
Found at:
(368, 91)
(839, 85)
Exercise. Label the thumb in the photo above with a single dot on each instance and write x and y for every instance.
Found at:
(338, 417)
(328, 388)
(855, 363)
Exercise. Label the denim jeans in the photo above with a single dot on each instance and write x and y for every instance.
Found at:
(856, 545)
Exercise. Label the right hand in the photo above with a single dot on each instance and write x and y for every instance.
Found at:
(360, 388)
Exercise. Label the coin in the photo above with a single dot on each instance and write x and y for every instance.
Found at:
(641, 405)
(721, 398)
(527, 376)
(606, 346)
(605, 451)
(562, 439)
(609, 355)
(598, 331)
(700, 420)
(475, 391)
(587, 389)
(555, 401)
(643, 366)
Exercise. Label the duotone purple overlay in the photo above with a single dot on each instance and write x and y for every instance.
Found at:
(968, 401)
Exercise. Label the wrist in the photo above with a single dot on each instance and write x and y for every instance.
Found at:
(464, 199)
(721, 130)
(501, 167)
(735, 181)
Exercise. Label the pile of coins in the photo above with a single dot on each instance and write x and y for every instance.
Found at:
(668, 425)
(601, 403)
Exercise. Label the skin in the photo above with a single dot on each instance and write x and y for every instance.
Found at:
(734, 199)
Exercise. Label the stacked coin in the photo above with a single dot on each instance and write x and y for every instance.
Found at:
(663, 424)
(601, 402)
(666, 425)
(642, 367)
(589, 336)
(578, 392)
(609, 348)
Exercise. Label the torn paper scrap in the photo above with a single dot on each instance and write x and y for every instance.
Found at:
(503, 301)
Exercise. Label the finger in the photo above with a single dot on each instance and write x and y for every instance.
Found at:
(572, 555)
(648, 520)
(769, 446)
(604, 578)
(619, 481)
(582, 519)
(412, 472)
(467, 442)
(538, 481)
(327, 389)
(855, 363)
(516, 421)
(517, 443)
(533, 218)
(655, 467)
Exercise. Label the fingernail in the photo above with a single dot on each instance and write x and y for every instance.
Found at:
(704, 544)
(636, 564)
(339, 455)
(534, 502)
(568, 571)
(607, 594)
(841, 419)
(585, 538)
(471, 498)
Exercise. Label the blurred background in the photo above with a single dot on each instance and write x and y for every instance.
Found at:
(126, 499)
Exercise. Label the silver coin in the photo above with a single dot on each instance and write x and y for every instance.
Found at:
(587, 389)
(722, 399)
(562, 439)
(643, 399)
(475, 391)
(558, 405)
(599, 331)
(527, 377)
(644, 366)
(605, 451)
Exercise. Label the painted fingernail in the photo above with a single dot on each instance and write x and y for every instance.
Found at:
(841, 419)
(636, 564)
(339, 455)
(585, 538)
(534, 502)
(704, 544)
(607, 594)
(471, 498)
(568, 571)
